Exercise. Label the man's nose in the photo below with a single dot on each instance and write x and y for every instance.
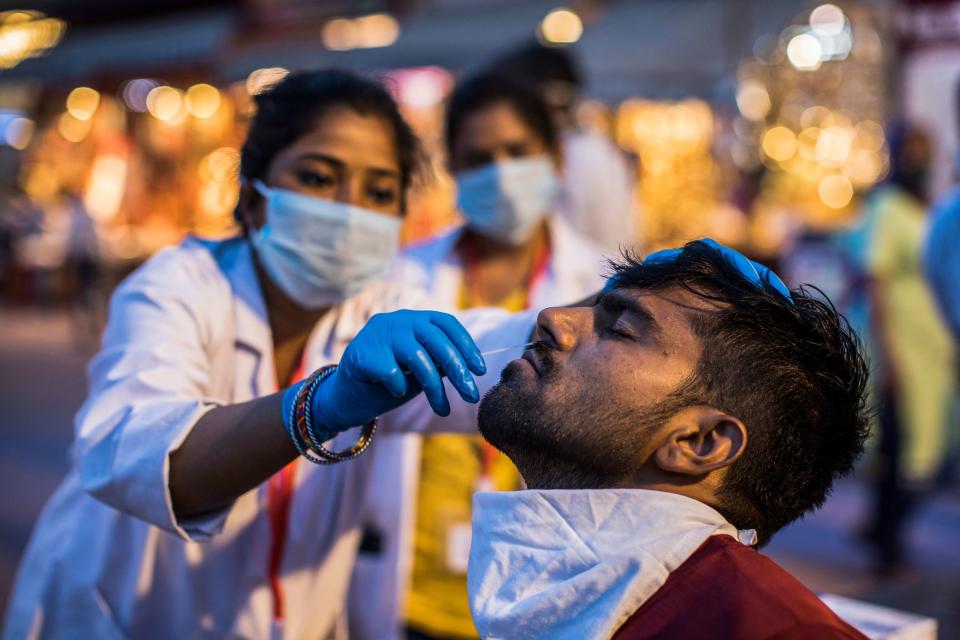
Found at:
(559, 327)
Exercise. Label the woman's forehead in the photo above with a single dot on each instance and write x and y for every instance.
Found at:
(352, 138)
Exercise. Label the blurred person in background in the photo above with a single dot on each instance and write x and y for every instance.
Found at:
(913, 352)
(513, 251)
(597, 194)
(942, 247)
(83, 266)
(20, 218)
(941, 257)
(188, 512)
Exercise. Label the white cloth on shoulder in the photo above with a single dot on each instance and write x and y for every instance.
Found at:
(577, 564)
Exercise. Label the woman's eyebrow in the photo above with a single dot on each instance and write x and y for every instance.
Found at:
(340, 165)
(322, 157)
(383, 173)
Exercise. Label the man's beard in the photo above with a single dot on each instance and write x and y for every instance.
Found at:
(564, 435)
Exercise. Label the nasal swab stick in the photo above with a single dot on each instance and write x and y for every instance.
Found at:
(502, 349)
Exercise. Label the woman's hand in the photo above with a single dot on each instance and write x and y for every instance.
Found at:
(393, 358)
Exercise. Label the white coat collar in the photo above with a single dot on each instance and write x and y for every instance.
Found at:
(577, 564)
(574, 268)
(251, 324)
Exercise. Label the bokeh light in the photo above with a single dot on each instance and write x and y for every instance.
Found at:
(779, 143)
(815, 116)
(804, 52)
(27, 34)
(753, 100)
(865, 168)
(870, 135)
(807, 143)
(105, 187)
(73, 129)
(421, 88)
(376, 30)
(833, 146)
(19, 132)
(339, 34)
(82, 103)
(561, 26)
(218, 192)
(366, 32)
(164, 102)
(202, 100)
(828, 19)
(835, 191)
(135, 93)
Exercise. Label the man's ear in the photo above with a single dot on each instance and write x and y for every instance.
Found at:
(250, 207)
(699, 440)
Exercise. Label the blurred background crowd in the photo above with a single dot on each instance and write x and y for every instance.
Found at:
(812, 137)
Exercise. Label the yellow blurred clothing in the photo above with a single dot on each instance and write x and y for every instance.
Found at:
(437, 602)
(914, 333)
(452, 468)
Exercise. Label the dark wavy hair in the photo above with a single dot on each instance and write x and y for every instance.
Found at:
(481, 91)
(290, 109)
(792, 371)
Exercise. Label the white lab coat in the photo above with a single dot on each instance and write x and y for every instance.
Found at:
(597, 195)
(376, 601)
(109, 559)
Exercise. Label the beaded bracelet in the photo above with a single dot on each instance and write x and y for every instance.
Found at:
(302, 424)
(300, 443)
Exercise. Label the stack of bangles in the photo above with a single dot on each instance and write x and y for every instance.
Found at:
(301, 429)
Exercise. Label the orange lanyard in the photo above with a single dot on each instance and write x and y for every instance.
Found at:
(541, 264)
(279, 499)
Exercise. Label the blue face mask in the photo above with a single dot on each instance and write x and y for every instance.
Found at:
(320, 252)
(507, 200)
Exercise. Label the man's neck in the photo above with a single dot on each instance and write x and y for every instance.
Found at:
(286, 316)
(704, 489)
(495, 271)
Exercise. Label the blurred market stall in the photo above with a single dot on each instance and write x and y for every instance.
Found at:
(754, 122)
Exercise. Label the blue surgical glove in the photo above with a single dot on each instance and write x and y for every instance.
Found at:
(393, 358)
(751, 270)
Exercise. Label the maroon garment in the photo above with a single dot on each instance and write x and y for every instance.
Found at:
(728, 590)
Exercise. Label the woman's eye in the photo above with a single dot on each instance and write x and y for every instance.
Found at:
(382, 196)
(518, 151)
(314, 179)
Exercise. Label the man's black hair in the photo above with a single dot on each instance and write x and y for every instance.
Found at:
(792, 371)
(485, 90)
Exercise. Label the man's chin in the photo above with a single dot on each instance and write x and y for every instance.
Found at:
(517, 386)
(503, 408)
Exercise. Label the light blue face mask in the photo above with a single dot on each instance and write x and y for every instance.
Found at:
(320, 252)
(507, 200)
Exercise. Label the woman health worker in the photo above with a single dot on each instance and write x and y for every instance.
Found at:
(513, 251)
(188, 512)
